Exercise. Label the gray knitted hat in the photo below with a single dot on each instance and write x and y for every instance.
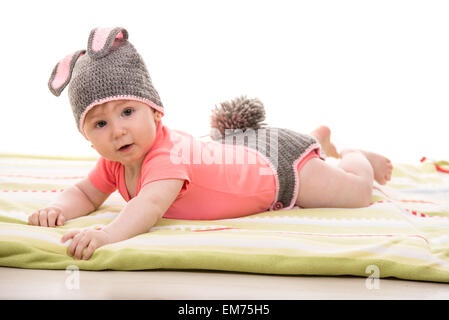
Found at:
(112, 69)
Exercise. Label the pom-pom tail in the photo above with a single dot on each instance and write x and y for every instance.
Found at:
(240, 113)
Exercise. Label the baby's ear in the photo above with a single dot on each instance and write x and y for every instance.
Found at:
(62, 72)
(101, 40)
(157, 116)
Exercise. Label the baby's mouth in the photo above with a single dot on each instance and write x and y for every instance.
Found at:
(125, 147)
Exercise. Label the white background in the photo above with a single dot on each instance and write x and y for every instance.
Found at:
(375, 72)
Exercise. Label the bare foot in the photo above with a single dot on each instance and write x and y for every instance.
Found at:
(323, 135)
(382, 166)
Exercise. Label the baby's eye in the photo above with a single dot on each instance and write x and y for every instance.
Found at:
(128, 111)
(100, 124)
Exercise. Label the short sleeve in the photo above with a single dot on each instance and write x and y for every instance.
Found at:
(161, 168)
(102, 176)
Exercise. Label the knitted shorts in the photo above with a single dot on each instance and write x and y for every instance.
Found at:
(284, 149)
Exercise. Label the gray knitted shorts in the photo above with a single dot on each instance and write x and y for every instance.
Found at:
(284, 149)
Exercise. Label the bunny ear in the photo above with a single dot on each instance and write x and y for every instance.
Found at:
(101, 40)
(60, 77)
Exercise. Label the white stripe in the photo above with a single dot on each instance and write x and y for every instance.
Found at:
(103, 215)
(45, 198)
(19, 215)
(32, 235)
(184, 227)
(439, 240)
(300, 233)
(30, 162)
(25, 181)
(416, 206)
(44, 171)
(362, 222)
(435, 222)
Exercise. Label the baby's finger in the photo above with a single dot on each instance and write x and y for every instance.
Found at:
(90, 249)
(71, 248)
(51, 217)
(61, 220)
(69, 235)
(43, 218)
(34, 219)
(82, 244)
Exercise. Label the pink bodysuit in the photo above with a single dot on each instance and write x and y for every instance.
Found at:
(222, 181)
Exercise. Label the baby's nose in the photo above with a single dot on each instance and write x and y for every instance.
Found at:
(120, 131)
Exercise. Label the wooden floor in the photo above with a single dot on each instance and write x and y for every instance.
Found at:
(199, 285)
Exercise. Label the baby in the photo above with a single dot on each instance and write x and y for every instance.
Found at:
(168, 173)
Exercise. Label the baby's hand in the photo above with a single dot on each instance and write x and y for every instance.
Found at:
(47, 217)
(88, 239)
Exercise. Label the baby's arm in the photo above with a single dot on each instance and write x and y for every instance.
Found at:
(75, 201)
(143, 211)
(139, 215)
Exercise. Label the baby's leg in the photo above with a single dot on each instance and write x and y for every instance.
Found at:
(349, 185)
(381, 165)
(323, 135)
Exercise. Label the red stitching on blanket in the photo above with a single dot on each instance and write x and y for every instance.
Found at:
(60, 190)
(406, 201)
(441, 169)
(423, 215)
(217, 229)
(414, 212)
(40, 177)
(326, 235)
(436, 166)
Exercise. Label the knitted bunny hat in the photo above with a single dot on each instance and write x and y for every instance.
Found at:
(111, 70)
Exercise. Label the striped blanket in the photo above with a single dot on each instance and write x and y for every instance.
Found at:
(404, 233)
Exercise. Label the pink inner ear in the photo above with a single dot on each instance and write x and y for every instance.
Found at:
(62, 72)
(100, 37)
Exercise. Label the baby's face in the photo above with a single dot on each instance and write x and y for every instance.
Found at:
(122, 130)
